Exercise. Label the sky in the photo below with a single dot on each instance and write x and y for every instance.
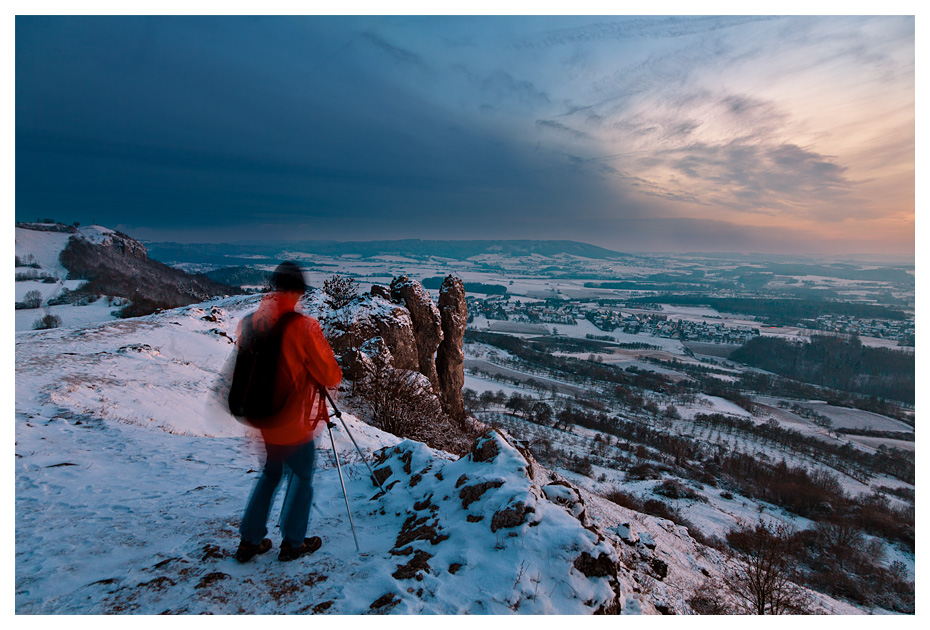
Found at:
(774, 134)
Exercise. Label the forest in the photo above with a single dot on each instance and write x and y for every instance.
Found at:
(837, 363)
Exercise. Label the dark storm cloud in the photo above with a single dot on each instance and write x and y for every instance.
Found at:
(225, 119)
(398, 127)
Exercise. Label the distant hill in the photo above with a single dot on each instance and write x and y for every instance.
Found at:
(245, 253)
(80, 264)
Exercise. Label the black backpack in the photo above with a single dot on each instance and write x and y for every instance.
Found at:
(251, 395)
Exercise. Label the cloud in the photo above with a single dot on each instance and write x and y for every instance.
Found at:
(754, 177)
(395, 52)
(501, 123)
(557, 126)
(635, 28)
(498, 87)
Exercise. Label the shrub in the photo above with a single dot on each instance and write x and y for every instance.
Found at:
(580, 465)
(340, 291)
(141, 306)
(28, 261)
(625, 499)
(403, 403)
(32, 299)
(674, 489)
(47, 321)
(708, 599)
(641, 472)
(32, 274)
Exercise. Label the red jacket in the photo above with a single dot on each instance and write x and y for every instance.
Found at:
(306, 362)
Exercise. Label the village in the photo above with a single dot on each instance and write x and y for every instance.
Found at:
(608, 319)
(900, 331)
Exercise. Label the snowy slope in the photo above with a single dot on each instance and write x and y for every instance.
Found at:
(129, 492)
(130, 483)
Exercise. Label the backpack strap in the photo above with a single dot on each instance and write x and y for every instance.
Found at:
(282, 323)
(246, 328)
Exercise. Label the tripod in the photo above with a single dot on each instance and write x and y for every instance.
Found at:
(329, 425)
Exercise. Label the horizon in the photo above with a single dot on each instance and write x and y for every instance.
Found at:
(771, 135)
(866, 258)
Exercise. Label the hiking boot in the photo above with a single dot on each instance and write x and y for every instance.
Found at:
(247, 550)
(308, 546)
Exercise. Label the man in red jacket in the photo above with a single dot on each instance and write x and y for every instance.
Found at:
(305, 363)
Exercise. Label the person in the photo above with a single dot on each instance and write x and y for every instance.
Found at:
(305, 363)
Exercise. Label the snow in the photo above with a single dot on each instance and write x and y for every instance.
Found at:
(45, 247)
(480, 384)
(712, 404)
(119, 434)
(96, 234)
(71, 314)
(118, 437)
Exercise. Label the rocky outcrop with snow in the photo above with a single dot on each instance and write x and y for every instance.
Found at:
(406, 325)
(355, 328)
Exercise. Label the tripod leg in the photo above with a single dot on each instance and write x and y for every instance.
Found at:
(338, 414)
(344, 493)
(361, 454)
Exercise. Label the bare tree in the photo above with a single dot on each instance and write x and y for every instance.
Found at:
(398, 401)
(759, 575)
(402, 402)
(32, 299)
(708, 599)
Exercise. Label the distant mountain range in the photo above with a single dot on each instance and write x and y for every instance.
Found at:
(244, 252)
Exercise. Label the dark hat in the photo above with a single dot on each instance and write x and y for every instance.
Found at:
(288, 277)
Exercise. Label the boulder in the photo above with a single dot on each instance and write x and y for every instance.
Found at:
(450, 356)
(625, 532)
(378, 291)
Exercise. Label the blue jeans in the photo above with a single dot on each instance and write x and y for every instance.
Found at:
(295, 513)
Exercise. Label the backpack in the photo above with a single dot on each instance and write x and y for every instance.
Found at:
(251, 394)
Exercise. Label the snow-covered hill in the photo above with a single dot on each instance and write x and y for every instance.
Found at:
(42, 250)
(131, 480)
(111, 273)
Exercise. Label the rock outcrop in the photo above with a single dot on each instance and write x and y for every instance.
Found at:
(125, 245)
(487, 500)
(351, 329)
(405, 325)
(427, 326)
(450, 356)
